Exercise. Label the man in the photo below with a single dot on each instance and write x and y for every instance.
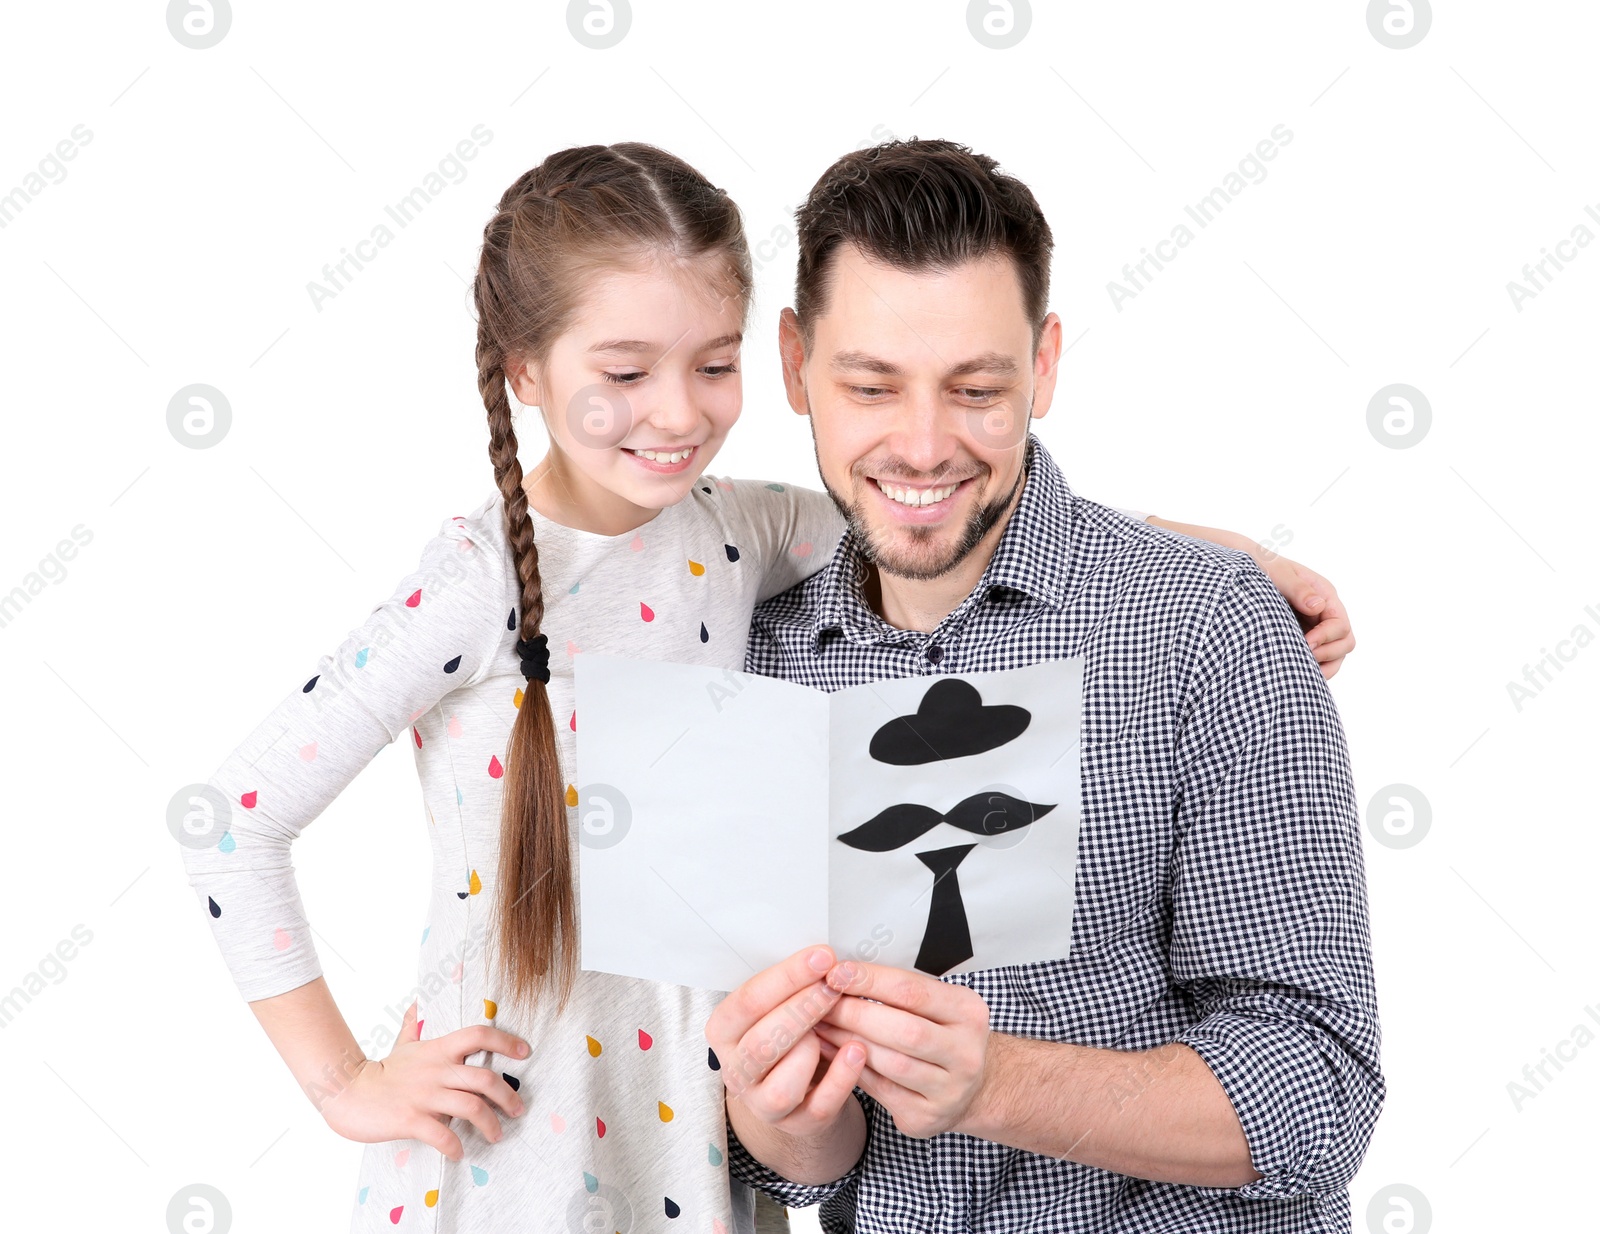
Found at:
(1206, 1057)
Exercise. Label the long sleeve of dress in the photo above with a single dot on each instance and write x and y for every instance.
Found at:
(437, 632)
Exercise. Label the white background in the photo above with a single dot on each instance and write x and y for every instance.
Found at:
(1233, 391)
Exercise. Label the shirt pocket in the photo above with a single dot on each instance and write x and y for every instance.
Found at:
(1124, 844)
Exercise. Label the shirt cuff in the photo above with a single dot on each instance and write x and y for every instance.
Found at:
(1137, 516)
(1288, 1101)
(753, 1173)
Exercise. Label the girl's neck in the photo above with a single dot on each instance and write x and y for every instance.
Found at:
(563, 494)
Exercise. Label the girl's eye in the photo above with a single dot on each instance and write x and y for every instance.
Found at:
(719, 370)
(621, 379)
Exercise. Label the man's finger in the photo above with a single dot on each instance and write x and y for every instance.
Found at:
(769, 1039)
(917, 993)
(408, 1026)
(827, 1098)
(736, 1014)
(912, 1071)
(884, 1025)
(783, 1086)
(891, 1096)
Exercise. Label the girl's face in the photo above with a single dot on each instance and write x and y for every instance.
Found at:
(638, 394)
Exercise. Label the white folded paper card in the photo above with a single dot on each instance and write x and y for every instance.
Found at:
(727, 820)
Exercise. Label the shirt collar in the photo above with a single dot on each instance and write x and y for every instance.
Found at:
(1030, 558)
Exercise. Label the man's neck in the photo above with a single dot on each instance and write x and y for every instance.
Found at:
(921, 604)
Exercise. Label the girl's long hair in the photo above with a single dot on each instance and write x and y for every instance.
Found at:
(582, 210)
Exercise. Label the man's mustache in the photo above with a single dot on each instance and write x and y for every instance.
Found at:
(983, 814)
(893, 469)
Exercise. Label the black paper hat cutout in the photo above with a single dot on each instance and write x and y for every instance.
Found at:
(951, 722)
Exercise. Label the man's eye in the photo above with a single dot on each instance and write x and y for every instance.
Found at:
(621, 379)
(867, 391)
(978, 395)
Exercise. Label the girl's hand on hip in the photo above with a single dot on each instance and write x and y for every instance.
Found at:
(414, 1092)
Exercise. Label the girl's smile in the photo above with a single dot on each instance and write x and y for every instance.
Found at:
(665, 461)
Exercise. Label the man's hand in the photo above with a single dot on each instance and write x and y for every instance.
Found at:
(926, 1042)
(935, 1065)
(771, 1060)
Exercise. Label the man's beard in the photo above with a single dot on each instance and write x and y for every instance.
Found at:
(920, 566)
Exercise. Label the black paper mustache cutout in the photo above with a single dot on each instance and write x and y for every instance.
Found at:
(983, 814)
(951, 722)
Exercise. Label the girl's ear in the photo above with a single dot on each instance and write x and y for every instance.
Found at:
(524, 383)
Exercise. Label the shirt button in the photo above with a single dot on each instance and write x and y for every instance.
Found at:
(935, 653)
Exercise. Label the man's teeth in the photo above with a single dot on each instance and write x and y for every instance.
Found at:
(664, 456)
(916, 496)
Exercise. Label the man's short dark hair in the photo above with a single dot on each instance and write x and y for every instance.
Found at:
(921, 205)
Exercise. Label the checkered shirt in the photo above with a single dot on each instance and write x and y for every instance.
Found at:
(1220, 890)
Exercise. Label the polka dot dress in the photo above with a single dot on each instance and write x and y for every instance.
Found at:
(624, 1127)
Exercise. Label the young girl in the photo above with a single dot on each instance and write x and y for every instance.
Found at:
(612, 292)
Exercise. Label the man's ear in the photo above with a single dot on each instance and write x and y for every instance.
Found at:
(1046, 365)
(792, 352)
(524, 382)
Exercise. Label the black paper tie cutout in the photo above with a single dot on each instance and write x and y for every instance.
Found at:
(947, 941)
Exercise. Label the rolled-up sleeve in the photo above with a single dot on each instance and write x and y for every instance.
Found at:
(1270, 934)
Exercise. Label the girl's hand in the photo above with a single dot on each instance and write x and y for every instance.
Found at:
(1322, 615)
(414, 1092)
(1316, 605)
